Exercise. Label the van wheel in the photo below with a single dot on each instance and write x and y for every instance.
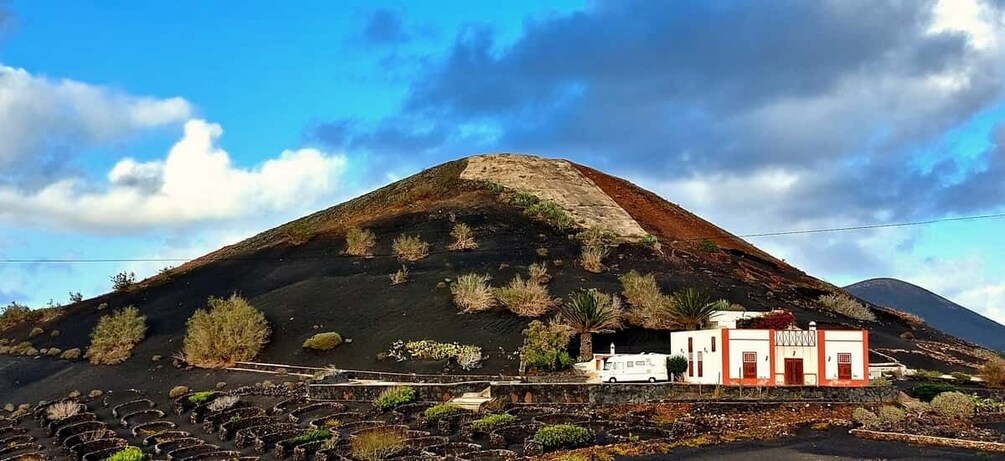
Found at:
(652, 380)
(612, 380)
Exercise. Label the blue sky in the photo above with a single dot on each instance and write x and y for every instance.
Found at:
(168, 129)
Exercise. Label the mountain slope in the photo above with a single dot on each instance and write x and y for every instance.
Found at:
(299, 277)
(937, 311)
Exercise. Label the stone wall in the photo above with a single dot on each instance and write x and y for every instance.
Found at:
(602, 394)
(993, 447)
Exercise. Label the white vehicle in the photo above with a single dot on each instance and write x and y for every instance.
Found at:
(635, 367)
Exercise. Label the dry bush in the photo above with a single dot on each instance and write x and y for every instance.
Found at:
(596, 236)
(410, 248)
(472, 293)
(953, 405)
(229, 331)
(538, 273)
(114, 337)
(525, 298)
(592, 258)
(993, 372)
(400, 277)
(843, 304)
(323, 341)
(891, 414)
(865, 417)
(377, 444)
(62, 410)
(15, 313)
(912, 320)
(359, 242)
(224, 402)
(464, 238)
(650, 308)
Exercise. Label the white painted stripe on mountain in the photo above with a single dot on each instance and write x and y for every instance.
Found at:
(557, 181)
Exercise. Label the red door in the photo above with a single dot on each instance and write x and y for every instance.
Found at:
(749, 365)
(794, 372)
(844, 366)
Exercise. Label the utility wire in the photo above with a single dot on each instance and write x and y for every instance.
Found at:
(719, 237)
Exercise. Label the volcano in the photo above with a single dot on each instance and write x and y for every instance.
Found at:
(298, 275)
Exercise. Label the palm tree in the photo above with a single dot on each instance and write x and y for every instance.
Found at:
(692, 309)
(588, 312)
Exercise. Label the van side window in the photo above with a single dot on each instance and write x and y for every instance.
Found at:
(629, 363)
(713, 344)
(640, 363)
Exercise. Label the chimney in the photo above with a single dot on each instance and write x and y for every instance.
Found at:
(612, 348)
(813, 326)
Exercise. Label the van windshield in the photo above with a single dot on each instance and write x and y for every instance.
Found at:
(607, 365)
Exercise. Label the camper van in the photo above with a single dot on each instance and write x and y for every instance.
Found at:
(634, 367)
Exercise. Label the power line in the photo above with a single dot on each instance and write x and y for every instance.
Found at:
(259, 258)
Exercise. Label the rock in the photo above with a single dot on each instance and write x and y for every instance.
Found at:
(70, 354)
(290, 385)
(9, 408)
(95, 393)
(558, 263)
(267, 383)
(24, 407)
(35, 332)
(102, 306)
(221, 385)
(54, 333)
(54, 352)
(74, 394)
(43, 351)
(178, 391)
(441, 285)
(155, 358)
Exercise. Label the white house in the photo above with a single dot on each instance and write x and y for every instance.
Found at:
(728, 319)
(774, 358)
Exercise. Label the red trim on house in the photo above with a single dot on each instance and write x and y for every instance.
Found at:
(771, 357)
(821, 358)
(725, 356)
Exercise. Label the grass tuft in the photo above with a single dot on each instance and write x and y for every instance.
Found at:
(472, 293)
(464, 238)
(359, 242)
(410, 248)
(526, 298)
(377, 444)
(843, 304)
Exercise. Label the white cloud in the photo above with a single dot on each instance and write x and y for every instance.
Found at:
(964, 280)
(39, 116)
(195, 182)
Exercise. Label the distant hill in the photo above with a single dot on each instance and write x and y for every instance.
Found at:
(937, 311)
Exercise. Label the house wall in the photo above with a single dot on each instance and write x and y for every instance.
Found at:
(761, 342)
(711, 369)
(855, 343)
(809, 356)
(728, 319)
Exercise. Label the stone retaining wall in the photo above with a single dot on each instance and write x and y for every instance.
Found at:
(602, 394)
(929, 440)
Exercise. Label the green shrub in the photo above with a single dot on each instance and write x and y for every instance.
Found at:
(114, 337)
(596, 236)
(523, 199)
(468, 357)
(312, 435)
(228, 331)
(676, 365)
(464, 238)
(708, 245)
(442, 410)
(526, 298)
(649, 307)
(890, 414)
(953, 405)
(880, 382)
(563, 435)
(471, 292)
(650, 241)
(394, 397)
(323, 341)
(843, 304)
(127, 454)
(200, 398)
(545, 346)
(865, 417)
(492, 422)
(359, 242)
(550, 212)
(410, 248)
(960, 376)
(377, 444)
(926, 392)
(928, 374)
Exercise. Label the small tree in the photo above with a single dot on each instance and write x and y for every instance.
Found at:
(588, 312)
(76, 297)
(544, 346)
(123, 280)
(114, 337)
(676, 366)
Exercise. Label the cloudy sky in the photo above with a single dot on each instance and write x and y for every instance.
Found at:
(160, 130)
